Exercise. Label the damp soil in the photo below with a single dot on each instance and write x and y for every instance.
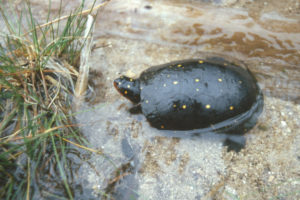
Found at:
(140, 162)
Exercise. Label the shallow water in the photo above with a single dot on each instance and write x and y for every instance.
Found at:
(206, 28)
(268, 42)
(141, 162)
(165, 167)
(150, 164)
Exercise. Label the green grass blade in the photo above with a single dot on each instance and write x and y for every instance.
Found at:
(61, 170)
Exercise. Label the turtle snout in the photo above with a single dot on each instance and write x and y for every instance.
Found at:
(117, 82)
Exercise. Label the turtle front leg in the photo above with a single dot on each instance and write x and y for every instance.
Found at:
(136, 109)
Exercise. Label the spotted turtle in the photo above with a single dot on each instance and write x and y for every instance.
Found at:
(206, 95)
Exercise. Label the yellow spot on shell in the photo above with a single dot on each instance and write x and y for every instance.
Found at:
(179, 65)
(125, 92)
(231, 108)
(207, 106)
(184, 107)
(220, 80)
(168, 75)
(128, 86)
(225, 64)
(197, 80)
(201, 61)
(147, 101)
(175, 82)
(197, 89)
(162, 126)
(174, 105)
(165, 85)
(240, 82)
(131, 80)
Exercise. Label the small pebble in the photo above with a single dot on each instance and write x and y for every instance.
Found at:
(283, 123)
(271, 178)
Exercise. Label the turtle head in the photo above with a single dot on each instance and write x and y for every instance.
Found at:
(129, 88)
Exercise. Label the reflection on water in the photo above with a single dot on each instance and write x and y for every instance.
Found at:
(228, 30)
(268, 42)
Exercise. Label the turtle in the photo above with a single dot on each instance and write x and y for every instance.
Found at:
(196, 94)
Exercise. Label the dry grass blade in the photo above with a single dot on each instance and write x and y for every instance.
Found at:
(28, 180)
(82, 81)
(80, 146)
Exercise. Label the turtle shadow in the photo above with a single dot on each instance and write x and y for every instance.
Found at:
(233, 142)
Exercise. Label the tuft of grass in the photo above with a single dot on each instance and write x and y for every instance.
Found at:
(38, 71)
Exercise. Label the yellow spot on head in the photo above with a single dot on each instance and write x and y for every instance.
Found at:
(184, 107)
(207, 106)
(220, 80)
(162, 126)
(128, 86)
(125, 92)
(201, 61)
(131, 80)
(197, 80)
(240, 82)
(147, 101)
(175, 82)
(165, 85)
(179, 65)
(174, 105)
(225, 64)
(119, 83)
(231, 108)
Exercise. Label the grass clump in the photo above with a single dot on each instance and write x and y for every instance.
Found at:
(38, 71)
